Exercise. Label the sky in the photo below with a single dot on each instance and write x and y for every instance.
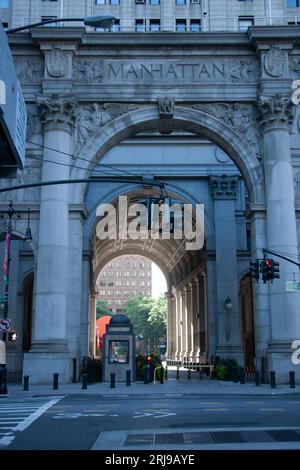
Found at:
(159, 285)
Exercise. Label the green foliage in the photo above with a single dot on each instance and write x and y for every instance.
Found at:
(149, 318)
(102, 309)
(227, 369)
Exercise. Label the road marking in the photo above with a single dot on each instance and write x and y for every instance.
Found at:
(215, 409)
(34, 416)
(271, 409)
(210, 403)
(294, 402)
(79, 415)
(254, 402)
(155, 414)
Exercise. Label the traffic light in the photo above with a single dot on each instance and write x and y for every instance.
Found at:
(275, 270)
(149, 358)
(12, 336)
(254, 269)
(266, 269)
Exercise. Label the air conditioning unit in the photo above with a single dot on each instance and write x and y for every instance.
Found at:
(140, 1)
(195, 1)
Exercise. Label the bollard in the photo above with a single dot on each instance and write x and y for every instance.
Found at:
(272, 379)
(55, 381)
(189, 373)
(26, 383)
(112, 380)
(161, 375)
(177, 373)
(200, 373)
(128, 378)
(146, 375)
(242, 375)
(292, 379)
(3, 385)
(257, 378)
(84, 381)
(74, 360)
(166, 373)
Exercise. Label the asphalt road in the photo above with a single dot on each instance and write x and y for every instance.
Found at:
(75, 421)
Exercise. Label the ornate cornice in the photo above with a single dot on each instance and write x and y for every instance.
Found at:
(275, 110)
(57, 111)
(223, 187)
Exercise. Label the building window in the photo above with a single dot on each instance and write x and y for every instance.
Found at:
(293, 3)
(245, 22)
(180, 26)
(115, 2)
(195, 26)
(140, 26)
(116, 26)
(100, 2)
(102, 283)
(154, 2)
(180, 2)
(154, 25)
(4, 4)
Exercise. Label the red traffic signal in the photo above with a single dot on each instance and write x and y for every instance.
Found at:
(149, 358)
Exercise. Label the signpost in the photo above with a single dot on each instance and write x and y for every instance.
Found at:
(5, 324)
(293, 286)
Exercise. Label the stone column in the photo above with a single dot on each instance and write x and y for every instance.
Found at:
(196, 314)
(177, 326)
(49, 352)
(183, 324)
(276, 117)
(171, 327)
(188, 315)
(223, 190)
(203, 315)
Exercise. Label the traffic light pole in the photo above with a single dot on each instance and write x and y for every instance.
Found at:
(280, 256)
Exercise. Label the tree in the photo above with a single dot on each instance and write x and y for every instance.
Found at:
(148, 317)
(102, 309)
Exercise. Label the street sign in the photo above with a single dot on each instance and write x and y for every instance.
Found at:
(293, 286)
(5, 324)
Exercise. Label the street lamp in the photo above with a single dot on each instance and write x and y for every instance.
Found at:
(9, 219)
(100, 21)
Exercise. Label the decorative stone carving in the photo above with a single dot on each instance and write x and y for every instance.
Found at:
(29, 70)
(85, 71)
(221, 156)
(90, 118)
(297, 185)
(57, 111)
(241, 118)
(244, 71)
(56, 64)
(295, 67)
(31, 174)
(275, 62)
(275, 109)
(223, 187)
(166, 112)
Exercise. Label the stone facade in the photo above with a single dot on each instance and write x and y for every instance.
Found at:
(212, 117)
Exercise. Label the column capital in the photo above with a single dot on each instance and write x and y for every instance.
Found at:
(57, 111)
(275, 110)
(223, 187)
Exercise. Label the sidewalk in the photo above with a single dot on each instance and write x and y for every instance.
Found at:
(172, 387)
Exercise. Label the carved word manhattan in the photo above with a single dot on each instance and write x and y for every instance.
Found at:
(161, 220)
(165, 71)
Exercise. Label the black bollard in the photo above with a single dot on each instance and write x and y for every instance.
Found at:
(242, 375)
(84, 381)
(162, 375)
(177, 373)
(55, 381)
(189, 373)
(113, 380)
(166, 373)
(26, 383)
(292, 379)
(146, 375)
(3, 386)
(128, 378)
(74, 378)
(272, 379)
(257, 378)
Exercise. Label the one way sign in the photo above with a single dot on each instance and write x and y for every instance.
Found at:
(5, 324)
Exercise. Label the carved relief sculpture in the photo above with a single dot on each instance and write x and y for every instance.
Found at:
(166, 112)
(275, 62)
(56, 64)
(57, 110)
(276, 109)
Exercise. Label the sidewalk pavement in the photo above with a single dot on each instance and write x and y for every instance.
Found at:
(172, 387)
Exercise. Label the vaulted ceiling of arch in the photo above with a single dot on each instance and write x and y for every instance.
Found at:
(171, 255)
